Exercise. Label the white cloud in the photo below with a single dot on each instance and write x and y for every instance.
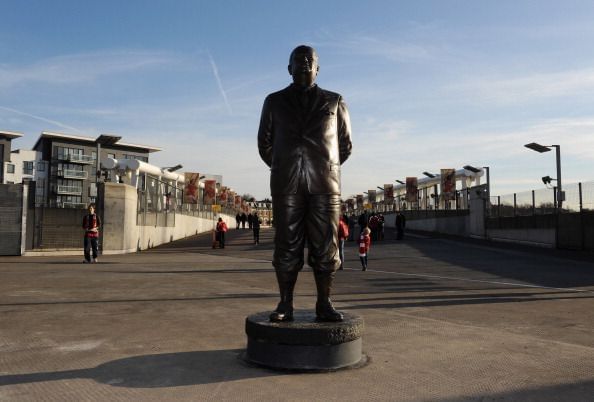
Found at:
(535, 86)
(83, 67)
(40, 118)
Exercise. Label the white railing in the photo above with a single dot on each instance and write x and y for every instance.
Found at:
(72, 174)
(79, 158)
(69, 190)
(76, 205)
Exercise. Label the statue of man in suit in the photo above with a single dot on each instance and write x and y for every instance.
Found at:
(304, 137)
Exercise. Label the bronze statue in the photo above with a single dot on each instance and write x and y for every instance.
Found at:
(304, 137)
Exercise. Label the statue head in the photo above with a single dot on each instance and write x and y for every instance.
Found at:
(303, 66)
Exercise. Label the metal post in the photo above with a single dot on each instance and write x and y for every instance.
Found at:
(555, 200)
(488, 182)
(533, 203)
(98, 165)
(582, 228)
(514, 204)
(581, 199)
(499, 206)
(559, 187)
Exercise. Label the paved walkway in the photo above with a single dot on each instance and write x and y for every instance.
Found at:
(445, 321)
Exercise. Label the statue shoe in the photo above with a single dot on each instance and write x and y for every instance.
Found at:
(282, 313)
(325, 312)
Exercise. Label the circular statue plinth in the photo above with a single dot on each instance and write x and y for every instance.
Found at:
(304, 344)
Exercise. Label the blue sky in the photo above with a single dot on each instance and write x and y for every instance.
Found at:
(430, 85)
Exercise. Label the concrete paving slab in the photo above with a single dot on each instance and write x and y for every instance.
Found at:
(446, 320)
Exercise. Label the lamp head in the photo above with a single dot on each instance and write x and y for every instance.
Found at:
(538, 147)
(471, 168)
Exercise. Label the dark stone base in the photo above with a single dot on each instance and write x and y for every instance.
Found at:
(304, 344)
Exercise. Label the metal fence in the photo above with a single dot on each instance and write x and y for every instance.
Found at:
(430, 202)
(579, 197)
(159, 202)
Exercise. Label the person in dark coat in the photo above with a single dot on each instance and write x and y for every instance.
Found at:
(363, 222)
(91, 224)
(304, 137)
(352, 223)
(256, 228)
(400, 225)
(238, 220)
(249, 221)
(243, 220)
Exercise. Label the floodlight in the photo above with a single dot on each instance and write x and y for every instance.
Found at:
(471, 168)
(537, 147)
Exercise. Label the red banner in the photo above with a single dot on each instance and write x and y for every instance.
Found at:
(359, 201)
(210, 192)
(412, 190)
(448, 184)
(191, 186)
(388, 194)
(223, 196)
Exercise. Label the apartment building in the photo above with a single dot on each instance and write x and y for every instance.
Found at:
(7, 167)
(72, 165)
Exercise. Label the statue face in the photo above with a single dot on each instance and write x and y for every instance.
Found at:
(304, 66)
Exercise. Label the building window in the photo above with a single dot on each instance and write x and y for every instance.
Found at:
(112, 156)
(28, 167)
(10, 168)
(41, 166)
(140, 158)
(94, 155)
(63, 152)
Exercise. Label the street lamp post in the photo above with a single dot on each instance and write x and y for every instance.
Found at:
(546, 148)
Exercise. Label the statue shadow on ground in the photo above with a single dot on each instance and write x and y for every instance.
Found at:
(156, 371)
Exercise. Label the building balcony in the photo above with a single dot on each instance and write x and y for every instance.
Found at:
(73, 174)
(70, 190)
(74, 205)
(74, 158)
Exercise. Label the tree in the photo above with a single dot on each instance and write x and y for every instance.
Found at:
(248, 197)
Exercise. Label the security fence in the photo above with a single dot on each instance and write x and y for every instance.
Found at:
(159, 202)
(424, 202)
(579, 197)
(571, 219)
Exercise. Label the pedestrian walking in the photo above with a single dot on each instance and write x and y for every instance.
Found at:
(364, 245)
(220, 232)
(91, 224)
(400, 225)
(256, 227)
(237, 220)
(343, 234)
(352, 223)
(363, 222)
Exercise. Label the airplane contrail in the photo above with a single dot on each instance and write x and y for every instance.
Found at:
(54, 122)
(215, 71)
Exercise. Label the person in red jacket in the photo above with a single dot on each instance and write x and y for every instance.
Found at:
(364, 244)
(91, 224)
(343, 234)
(221, 230)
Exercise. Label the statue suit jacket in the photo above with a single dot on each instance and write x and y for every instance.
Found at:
(312, 141)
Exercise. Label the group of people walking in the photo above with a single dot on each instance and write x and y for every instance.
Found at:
(253, 220)
(370, 228)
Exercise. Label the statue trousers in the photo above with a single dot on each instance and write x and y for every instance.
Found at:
(301, 219)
